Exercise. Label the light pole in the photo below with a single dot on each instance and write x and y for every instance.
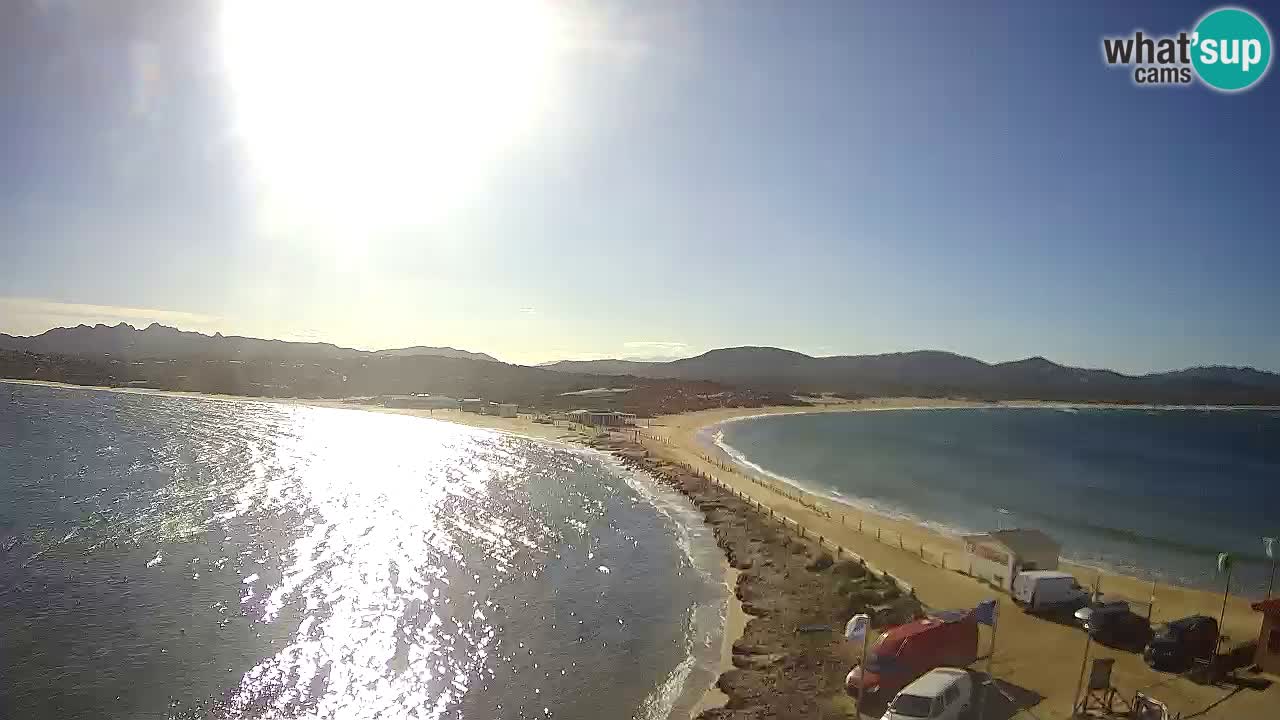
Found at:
(1224, 564)
(860, 624)
(1268, 543)
(1088, 638)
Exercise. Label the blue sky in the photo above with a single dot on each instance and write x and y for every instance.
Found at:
(647, 179)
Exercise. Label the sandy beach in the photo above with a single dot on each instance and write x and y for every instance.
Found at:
(1037, 662)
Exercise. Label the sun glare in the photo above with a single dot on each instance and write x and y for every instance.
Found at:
(359, 116)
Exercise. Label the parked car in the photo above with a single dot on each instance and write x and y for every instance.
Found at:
(1178, 644)
(1113, 622)
(908, 651)
(1101, 606)
(1048, 591)
(940, 694)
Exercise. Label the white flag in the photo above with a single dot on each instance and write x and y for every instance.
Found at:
(856, 629)
(1224, 562)
(1270, 545)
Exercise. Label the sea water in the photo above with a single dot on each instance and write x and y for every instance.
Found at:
(189, 558)
(1154, 493)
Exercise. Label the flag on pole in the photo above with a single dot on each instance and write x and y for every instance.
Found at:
(856, 629)
(1269, 544)
(1224, 562)
(986, 612)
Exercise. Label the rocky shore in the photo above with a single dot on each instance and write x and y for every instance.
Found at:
(792, 657)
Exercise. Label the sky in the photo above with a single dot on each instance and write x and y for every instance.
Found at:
(572, 179)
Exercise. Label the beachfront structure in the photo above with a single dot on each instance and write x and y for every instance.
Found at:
(480, 406)
(1268, 655)
(998, 556)
(597, 418)
(428, 402)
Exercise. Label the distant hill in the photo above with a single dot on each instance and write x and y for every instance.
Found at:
(932, 373)
(366, 376)
(160, 341)
(1220, 373)
(437, 352)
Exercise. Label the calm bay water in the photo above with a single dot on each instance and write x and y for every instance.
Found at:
(1152, 493)
(180, 557)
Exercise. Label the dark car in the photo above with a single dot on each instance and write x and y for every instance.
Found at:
(1119, 629)
(1179, 643)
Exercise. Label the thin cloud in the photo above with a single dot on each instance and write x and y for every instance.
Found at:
(654, 349)
(27, 316)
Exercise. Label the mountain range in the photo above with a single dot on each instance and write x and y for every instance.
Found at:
(935, 373)
(123, 353)
(160, 341)
(164, 358)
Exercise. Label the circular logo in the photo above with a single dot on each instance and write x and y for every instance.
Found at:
(1232, 49)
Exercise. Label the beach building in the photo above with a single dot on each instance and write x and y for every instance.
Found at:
(426, 402)
(998, 556)
(507, 410)
(475, 405)
(597, 418)
(1268, 655)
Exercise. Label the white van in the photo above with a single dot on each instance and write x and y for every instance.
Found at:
(1046, 590)
(941, 693)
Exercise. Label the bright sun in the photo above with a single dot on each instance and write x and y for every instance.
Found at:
(371, 114)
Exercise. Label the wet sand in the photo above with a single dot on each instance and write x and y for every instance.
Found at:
(735, 622)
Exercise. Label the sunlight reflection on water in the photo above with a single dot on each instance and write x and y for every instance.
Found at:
(387, 627)
(188, 558)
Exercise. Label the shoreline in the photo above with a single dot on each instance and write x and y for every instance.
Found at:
(735, 623)
(788, 658)
(954, 535)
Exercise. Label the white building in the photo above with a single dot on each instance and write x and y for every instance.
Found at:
(999, 555)
(507, 410)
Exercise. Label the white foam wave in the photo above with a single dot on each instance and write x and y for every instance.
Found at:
(863, 504)
(692, 537)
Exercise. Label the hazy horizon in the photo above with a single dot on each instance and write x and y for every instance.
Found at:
(576, 180)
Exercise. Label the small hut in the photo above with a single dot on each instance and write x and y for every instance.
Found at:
(998, 556)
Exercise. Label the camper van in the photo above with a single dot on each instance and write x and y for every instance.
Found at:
(1044, 591)
(906, 652)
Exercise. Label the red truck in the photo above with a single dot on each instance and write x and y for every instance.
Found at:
(905, 652)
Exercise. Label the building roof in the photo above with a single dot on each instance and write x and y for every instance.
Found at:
(1019, 541)
(894, 636)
